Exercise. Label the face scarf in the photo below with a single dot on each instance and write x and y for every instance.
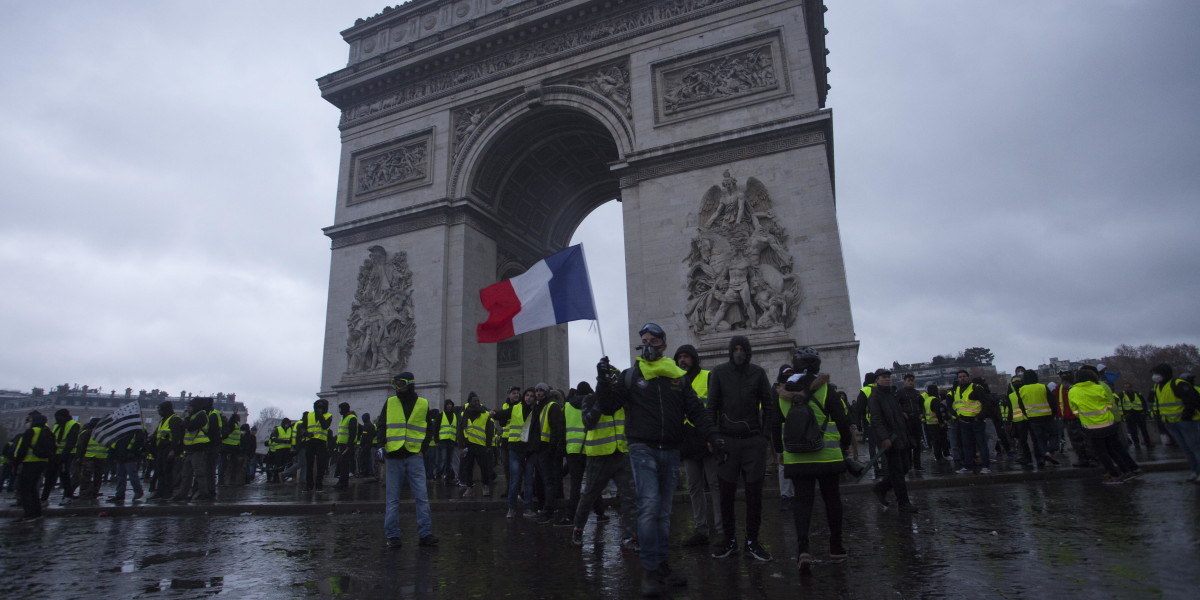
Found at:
(663, 367)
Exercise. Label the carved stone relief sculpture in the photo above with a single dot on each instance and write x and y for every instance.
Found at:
(739, 271)
(381, 326)
(610, 81)
(403, 164)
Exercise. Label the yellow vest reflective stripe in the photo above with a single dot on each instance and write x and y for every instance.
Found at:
(234, 438)
(1091, 404)
(866, 411)
(30, 456)
(1130, 402)
(963, 404)
(607, 437)
(61, 433)
(516, 421)
(164, 430)
(1170, 407)
(931, 417)
(700, 386)
(343, 434)
(194, 438)
(575, 431)
(314, 428)
(449, 429)
(282, 439)
(475, 430)
(546, 421)
(402, 431)
(95, 449)
(832, 452)
(1037, 400)
(1018, 415)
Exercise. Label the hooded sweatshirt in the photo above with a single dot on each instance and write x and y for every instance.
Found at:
(741, 396)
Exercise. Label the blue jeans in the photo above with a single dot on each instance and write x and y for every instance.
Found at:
(974, 438)
(412, 470)
(654, 473)
(128, 470)
(446, 453)
(1187, 435)
(520, 472)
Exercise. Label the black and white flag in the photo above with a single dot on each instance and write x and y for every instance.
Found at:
(119, 422)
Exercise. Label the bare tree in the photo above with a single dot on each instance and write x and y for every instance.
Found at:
(1134, 363)
(268, 415)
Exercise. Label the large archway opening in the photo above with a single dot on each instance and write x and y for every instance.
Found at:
(547, 177)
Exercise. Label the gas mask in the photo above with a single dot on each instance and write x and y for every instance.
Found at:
(650, 352)
(739, 358)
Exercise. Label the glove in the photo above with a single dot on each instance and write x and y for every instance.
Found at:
(606, 374)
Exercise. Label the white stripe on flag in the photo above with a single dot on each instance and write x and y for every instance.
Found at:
(533, 290)
(119, 422)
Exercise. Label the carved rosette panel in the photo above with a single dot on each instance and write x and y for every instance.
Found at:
(610, 80)
(381, 326)
(732, 76)
(396, 166)
(739, 271)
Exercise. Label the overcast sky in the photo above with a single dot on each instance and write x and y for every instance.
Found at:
(1018, 175)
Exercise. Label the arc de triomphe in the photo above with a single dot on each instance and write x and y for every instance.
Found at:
(478, 134)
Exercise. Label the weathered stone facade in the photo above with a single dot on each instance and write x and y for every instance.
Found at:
(477, 134)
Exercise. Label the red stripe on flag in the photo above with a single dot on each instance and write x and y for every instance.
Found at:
(502, 304)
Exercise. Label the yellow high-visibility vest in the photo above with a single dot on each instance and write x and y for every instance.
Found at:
(402, 431)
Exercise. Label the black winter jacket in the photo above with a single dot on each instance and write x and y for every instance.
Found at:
(655, 408)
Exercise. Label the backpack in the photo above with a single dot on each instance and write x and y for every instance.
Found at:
(801, 434)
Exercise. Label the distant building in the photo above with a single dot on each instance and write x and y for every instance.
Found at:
(944, 374)
(85, 403)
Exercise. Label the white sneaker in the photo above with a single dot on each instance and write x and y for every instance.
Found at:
(985, 471)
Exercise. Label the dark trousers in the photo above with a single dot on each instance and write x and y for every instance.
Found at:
(27, 487)
(548, 468)
(598, 471)
(802, 509)
(58, 470)
(345, 464)
(1111, 452)
(475, 455)
(914, 434)
(575, 467)
(747, 460)
(938, 444)
(896, 464)
(1136, 421)
(165, 474)
(316, 457)
(1021, 437)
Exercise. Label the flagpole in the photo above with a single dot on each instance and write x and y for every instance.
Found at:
(599, 331)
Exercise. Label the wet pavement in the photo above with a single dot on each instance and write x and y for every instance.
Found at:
(976, 536)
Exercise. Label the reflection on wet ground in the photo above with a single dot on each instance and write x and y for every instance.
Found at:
(1070, 538)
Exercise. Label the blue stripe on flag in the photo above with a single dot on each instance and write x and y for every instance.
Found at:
(570, 289)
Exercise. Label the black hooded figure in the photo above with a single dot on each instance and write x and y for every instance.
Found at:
(30, 457)
(58, 469)
(745, 409)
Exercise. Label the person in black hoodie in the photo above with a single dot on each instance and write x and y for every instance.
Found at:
(66, 435)
(746, 410)
(699, 465)
(31, 454)
(890, 426)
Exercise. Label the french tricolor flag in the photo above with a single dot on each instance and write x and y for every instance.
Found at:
(555, 290)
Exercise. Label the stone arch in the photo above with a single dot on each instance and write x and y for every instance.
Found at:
(583, 100)
(542, 162)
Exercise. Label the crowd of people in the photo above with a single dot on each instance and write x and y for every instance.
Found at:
(635, 433)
